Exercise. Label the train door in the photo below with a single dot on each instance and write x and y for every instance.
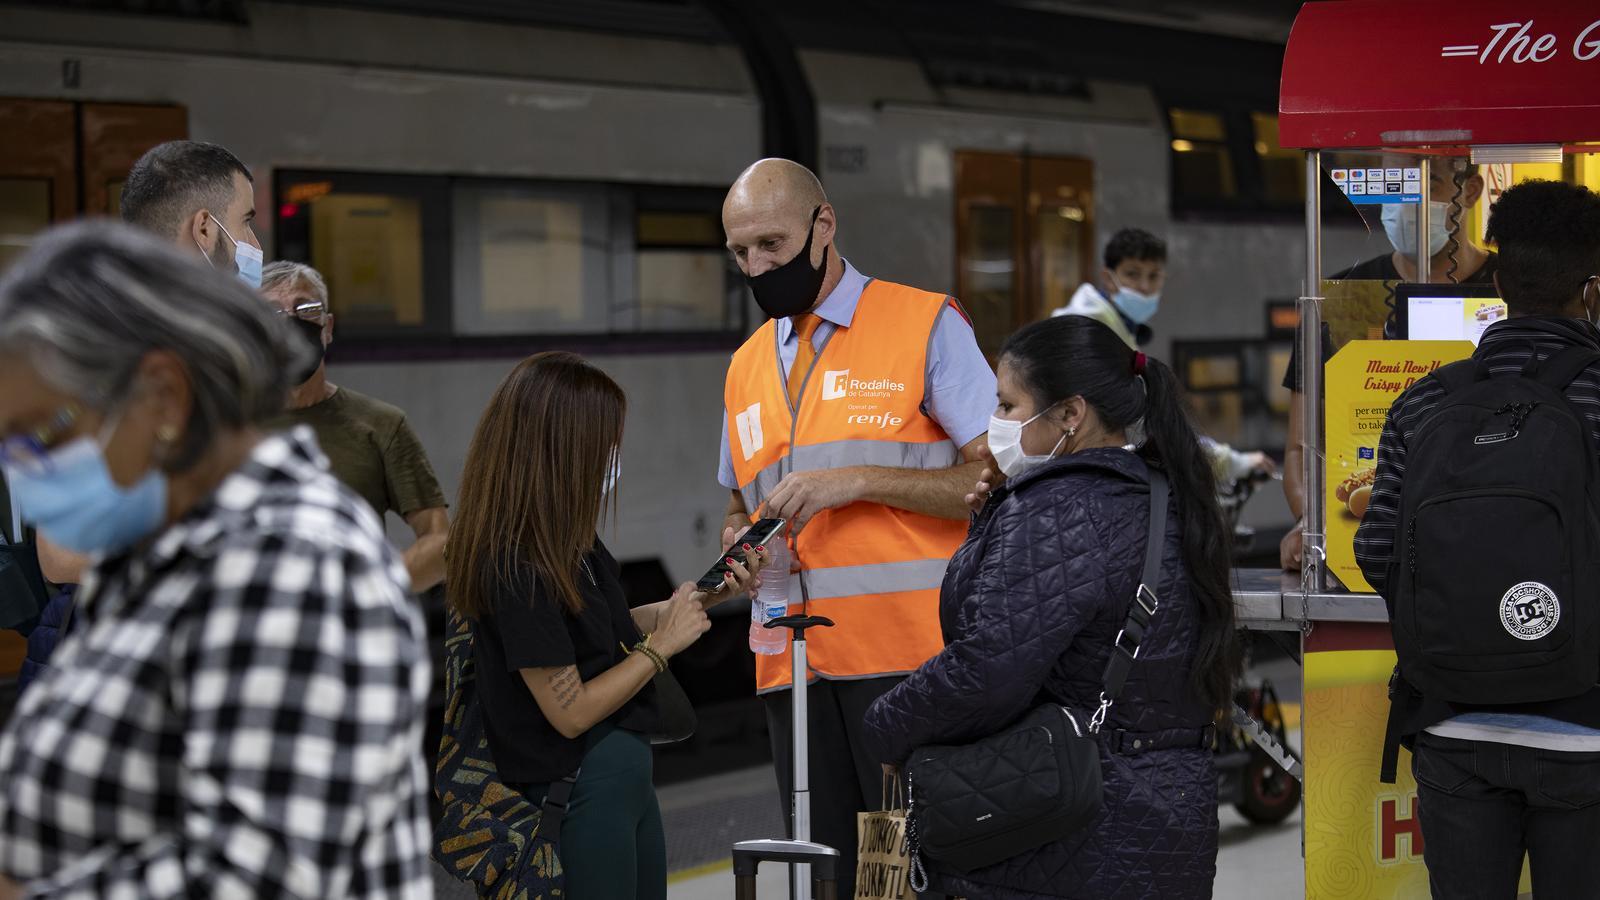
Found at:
(113, 137)
(38, 176)
(1024, 238)
(72, 163)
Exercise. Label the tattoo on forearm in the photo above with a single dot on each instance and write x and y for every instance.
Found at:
(566, 684)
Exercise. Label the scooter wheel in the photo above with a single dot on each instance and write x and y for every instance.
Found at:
(1270, 793)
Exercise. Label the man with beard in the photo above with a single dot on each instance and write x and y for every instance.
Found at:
(200, 197)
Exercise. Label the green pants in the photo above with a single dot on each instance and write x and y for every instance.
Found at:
(612, 844)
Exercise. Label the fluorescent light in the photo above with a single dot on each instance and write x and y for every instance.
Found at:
(1492, 154)
(1182, 146)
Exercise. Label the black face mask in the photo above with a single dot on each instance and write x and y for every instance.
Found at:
(311, 333)
(792, 288)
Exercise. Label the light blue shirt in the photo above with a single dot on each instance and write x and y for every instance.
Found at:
(960, 384)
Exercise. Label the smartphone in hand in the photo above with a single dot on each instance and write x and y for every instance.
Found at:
(758, 536)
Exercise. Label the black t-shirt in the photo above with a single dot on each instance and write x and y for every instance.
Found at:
(1378, 268)
(532, 629)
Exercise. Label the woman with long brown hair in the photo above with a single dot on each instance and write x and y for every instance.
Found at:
(563, 666)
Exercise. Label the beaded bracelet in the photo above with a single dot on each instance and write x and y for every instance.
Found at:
(656, 659)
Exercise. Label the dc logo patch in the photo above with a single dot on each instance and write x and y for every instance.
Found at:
(1530, 611)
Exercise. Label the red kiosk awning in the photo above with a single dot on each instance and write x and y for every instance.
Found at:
(1397, 73)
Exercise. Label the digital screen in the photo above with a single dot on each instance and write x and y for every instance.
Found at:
(1452, 318)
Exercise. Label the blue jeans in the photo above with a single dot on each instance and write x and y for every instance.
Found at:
(1484, 804)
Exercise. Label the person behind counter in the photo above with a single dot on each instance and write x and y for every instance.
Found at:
(1032, 603)
(564, 669)
(1454, 187)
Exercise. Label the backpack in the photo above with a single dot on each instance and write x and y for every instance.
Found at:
(1494, 586)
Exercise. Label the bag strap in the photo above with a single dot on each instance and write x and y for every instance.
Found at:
(5, 512)
(558, 797)
(1560, 369)
(1458, 375)
(1125, 648)
(557, 801)
(1403, 701)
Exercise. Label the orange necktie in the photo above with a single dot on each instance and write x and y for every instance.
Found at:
(805, 326)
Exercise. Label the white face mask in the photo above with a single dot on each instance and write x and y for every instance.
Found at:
(613, 474)
(1005, 442)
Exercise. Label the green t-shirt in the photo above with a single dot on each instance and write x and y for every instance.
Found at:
(372, 449)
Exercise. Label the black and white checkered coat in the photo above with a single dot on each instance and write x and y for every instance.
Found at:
(236, 710)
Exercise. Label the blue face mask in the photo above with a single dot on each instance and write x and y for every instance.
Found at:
(248, 259)
(1139, 308)
(1400, 224)
(71, 498)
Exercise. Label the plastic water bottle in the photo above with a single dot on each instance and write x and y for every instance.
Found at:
(771, 602)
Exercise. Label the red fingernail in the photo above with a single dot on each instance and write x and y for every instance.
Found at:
(729, 560)
(761, 549)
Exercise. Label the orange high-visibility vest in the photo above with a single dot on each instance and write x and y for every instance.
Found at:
(873, 569)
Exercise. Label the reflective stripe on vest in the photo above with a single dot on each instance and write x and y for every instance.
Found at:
(873, 569)
(838, 454)
(876, 578)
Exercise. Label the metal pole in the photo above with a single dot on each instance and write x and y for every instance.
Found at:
(799, 873)
(1424, 214)
(1312, 552)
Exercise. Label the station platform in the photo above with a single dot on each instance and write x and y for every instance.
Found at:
(705, 816)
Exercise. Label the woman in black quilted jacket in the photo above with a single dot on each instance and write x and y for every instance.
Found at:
(1032, 602)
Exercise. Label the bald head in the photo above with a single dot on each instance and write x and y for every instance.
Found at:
(768, 216)
(776, 182)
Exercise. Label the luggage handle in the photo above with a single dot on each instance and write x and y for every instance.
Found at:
(799, 624)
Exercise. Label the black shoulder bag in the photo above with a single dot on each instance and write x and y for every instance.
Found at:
(23, 592)
(1037, 781)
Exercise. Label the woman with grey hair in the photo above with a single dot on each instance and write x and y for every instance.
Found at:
(236, 706)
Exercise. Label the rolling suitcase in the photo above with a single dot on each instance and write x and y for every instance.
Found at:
(800, 853)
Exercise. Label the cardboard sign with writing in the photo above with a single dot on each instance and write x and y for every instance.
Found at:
(883, 864)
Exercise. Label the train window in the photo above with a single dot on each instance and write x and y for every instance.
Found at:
(1202, 166)
(366, 246)
(24, 212)
(532, 260)
(375, 238)
(414, 258)
(682, 272)
(1283, 178)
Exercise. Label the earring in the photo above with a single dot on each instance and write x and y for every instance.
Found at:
(1073, 431)
(166, 434)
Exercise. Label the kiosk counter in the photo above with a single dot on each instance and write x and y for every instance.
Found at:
(1385, 98)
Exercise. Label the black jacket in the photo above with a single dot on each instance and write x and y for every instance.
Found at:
(1029, 608)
